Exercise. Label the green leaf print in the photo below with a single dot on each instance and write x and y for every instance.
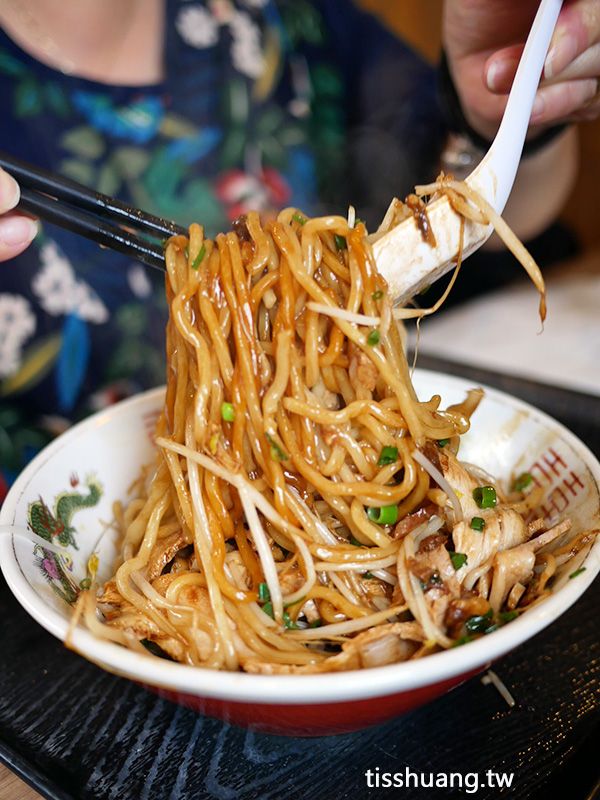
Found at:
(37, 362)
(134, 356)
(132, 318)
(56, 99)
(109, 179)
(174, 126)
(164, 175)
(80, 171)
(84, 141)
(18, 438)
(11, 66)
(234, 146)
(200, 204)
(131, 161)
(303, 23)
(28, 98)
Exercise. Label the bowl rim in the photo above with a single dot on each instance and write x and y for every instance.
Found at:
(293, 689)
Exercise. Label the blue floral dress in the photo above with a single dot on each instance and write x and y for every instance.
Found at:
(264, 104)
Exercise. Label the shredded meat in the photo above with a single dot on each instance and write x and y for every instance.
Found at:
(163, 552)
(461, 481)
(240, 228)
(460, 609)
(413, 520)
(432, 542)
(516, 565)
(503, 529)
(419, 209)
(291, 580)
(110, 599)
(362, 369)
(434, 568)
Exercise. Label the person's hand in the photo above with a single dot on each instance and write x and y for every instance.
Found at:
(16, 230)
(484, 40)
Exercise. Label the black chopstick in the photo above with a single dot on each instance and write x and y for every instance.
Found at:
(103, 219)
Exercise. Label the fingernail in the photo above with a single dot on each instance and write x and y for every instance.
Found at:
(538, 108)
(500, 74)
(593, 88)
(17, 231)
(492, 75)
(9, 191)
(560, 55)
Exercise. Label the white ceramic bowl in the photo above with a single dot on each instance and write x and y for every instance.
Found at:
(73, 483)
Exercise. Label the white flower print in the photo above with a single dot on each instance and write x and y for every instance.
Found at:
(60, 292)
(17, 324)
(246, 51)
(138, 281)
(197, 27)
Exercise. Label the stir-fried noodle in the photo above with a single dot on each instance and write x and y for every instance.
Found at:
(308, 512)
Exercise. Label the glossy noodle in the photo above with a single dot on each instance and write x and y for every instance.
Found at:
(307, 511)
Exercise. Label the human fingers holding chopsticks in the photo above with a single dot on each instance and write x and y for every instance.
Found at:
(17, 231)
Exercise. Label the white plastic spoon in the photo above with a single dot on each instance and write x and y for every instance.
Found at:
(404, 259)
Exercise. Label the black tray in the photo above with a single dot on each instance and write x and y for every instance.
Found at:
(74, 732)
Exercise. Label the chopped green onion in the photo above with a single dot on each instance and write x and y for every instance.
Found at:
(268, 609)
(443, 442)
(478, 523)
(508, 616)
(201, 253)
(577, 572)
(462, 640)
(85, 583)
(263, 592)
(358, 221)
(377, 295)
(485, 496)
(387, 456)
(340, 241)
(479, 623)
(373, 338)
(522, 482)
(386, 515)
(367, 576)
(355, 542)
(436, 578)
(288, 622)
(492, 628)
(316, 623)
(458, 559)
(277, 453)
(299, 218)
(227, 412)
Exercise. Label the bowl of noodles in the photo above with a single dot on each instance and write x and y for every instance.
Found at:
(297, 534)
